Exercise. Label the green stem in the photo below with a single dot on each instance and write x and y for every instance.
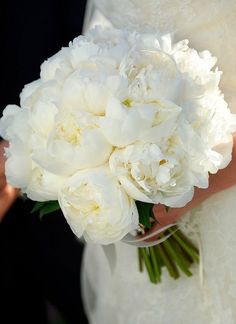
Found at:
(186, 258)
(194, 255)
(156, 266)
(177, 257)
(148, 264)
(173, 271)
(140, 259)
(159, 258)
(187, 240)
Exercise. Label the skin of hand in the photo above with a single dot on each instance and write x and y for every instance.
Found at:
(222, 180)
(8, 194)
(3, 144)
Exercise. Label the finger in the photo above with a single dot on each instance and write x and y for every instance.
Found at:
(2, 182)
(165, 217)
(7, 197)
(3, 145)
(155, 228)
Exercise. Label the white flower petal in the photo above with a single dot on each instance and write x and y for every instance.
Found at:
(96, 207)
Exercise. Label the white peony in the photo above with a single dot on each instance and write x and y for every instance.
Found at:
(149, 175)
(27, 130)
(27, 91)
(152, 75)
(95, 206)
(14, 124)
(18, 166)
(91, 86)
(128, 121)
(57, 67)
(43, 185)
(74, 143)
(14, 127)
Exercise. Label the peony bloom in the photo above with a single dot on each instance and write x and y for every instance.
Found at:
(75, 142)
(147, 174)
(95, 206)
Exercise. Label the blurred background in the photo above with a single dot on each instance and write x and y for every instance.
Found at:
(40, 261)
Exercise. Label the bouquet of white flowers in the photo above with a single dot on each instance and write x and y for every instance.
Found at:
(117, 122)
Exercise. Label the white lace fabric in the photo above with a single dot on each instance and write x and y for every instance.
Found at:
(127, 296)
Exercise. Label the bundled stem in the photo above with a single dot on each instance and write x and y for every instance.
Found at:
(177, 253)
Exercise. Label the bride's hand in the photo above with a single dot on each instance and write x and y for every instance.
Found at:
(166, 217)
(8, 194)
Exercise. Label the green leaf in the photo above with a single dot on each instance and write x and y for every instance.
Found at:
(145, 214)
(38, 206)
(45, 207)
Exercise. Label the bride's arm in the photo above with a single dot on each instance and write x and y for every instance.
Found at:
(223, 179)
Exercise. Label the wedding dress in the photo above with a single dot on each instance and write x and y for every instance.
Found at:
(126, 296)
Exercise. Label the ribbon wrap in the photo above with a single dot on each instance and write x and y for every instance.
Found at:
(110, 250)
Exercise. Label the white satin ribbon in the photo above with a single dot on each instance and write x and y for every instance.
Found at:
(110, 253)
(110, 250)
(141, 241)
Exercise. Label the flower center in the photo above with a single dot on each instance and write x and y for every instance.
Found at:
(85, 200)
(127, 102)
(68, 131)
(152, 176)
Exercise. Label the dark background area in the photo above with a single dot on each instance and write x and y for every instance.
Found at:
(39, 260)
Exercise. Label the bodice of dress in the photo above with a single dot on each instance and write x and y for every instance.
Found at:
(164, 15)
(209, 25)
